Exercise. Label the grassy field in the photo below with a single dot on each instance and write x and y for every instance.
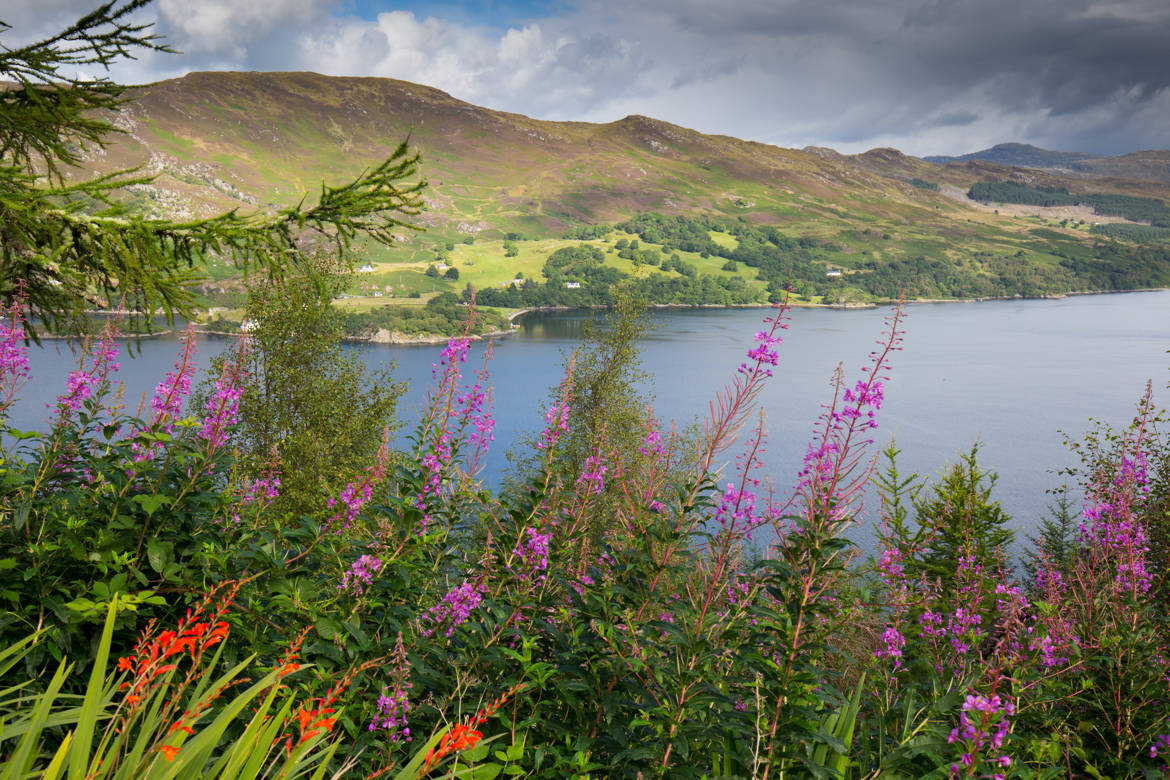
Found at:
(484, 263)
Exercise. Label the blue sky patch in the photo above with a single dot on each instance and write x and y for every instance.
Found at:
(479, 13)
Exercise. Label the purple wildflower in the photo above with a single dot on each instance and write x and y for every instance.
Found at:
(1113, 521)
(894, 644)
(169, 394)
(1161, 743)
(360, 574)
(556, 425)
(594, 475)
(830, 480)
(652, 444)
(763, 354)
(14, 370)
(984, 723)
(530, 555)
(394, 702)
(353, 497)
(222, 409)
(453, 611)
(83, 381)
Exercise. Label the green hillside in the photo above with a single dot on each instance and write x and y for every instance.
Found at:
(505, 191)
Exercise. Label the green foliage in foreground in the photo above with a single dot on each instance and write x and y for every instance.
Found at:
(604, 617)
(304, 399)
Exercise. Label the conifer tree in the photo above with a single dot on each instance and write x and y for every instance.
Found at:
(959, 516)
(69, 243)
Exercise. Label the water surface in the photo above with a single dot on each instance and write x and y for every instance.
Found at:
(1008, 374)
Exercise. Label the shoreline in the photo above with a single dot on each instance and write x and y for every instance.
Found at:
(399, 339)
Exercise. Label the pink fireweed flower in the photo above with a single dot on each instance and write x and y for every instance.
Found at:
(984, 724)
(455, 352)
(91, 376)
(893, 649)
(763, 354)
(1161, 746)
(360, 574)
(737, 509)
(594, 475)
(835, 471)
(1114, 504)
(167, 402)
(354, 496)
(453, 611)
(392, 708)
(262, 490)
(223, 407)
(170, 393)
(475, 405)
(394, 703)
(652, 444)
(14, 369)
(455, 417)
(473, 408)
(530, 555)
(556, 425)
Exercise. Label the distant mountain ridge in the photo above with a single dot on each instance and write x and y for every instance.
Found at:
(1148, 165)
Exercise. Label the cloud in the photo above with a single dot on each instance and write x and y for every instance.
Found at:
(229, 27)
(960, 118)
(528, 69)
(927, 76)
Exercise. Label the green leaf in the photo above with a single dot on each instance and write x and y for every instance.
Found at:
(151, 503)
(20, 516)
(159, 554)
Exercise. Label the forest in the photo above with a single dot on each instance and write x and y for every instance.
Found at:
(1150, 210)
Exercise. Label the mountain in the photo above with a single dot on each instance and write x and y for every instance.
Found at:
(1152, 165)
(254, 140)
(1020, 155)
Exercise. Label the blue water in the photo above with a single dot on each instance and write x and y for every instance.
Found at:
(1009, 374)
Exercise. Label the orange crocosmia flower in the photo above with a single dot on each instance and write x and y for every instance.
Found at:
(125, 664)
(465, 738)
(180, 727)
(169, 751)
(304, 717)
(218, 634)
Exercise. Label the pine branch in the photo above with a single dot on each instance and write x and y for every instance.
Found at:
(51, 113)
(73, 257)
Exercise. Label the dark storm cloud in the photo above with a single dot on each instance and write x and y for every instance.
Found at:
(954, 119)
(897, 62)
(1067, 55)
